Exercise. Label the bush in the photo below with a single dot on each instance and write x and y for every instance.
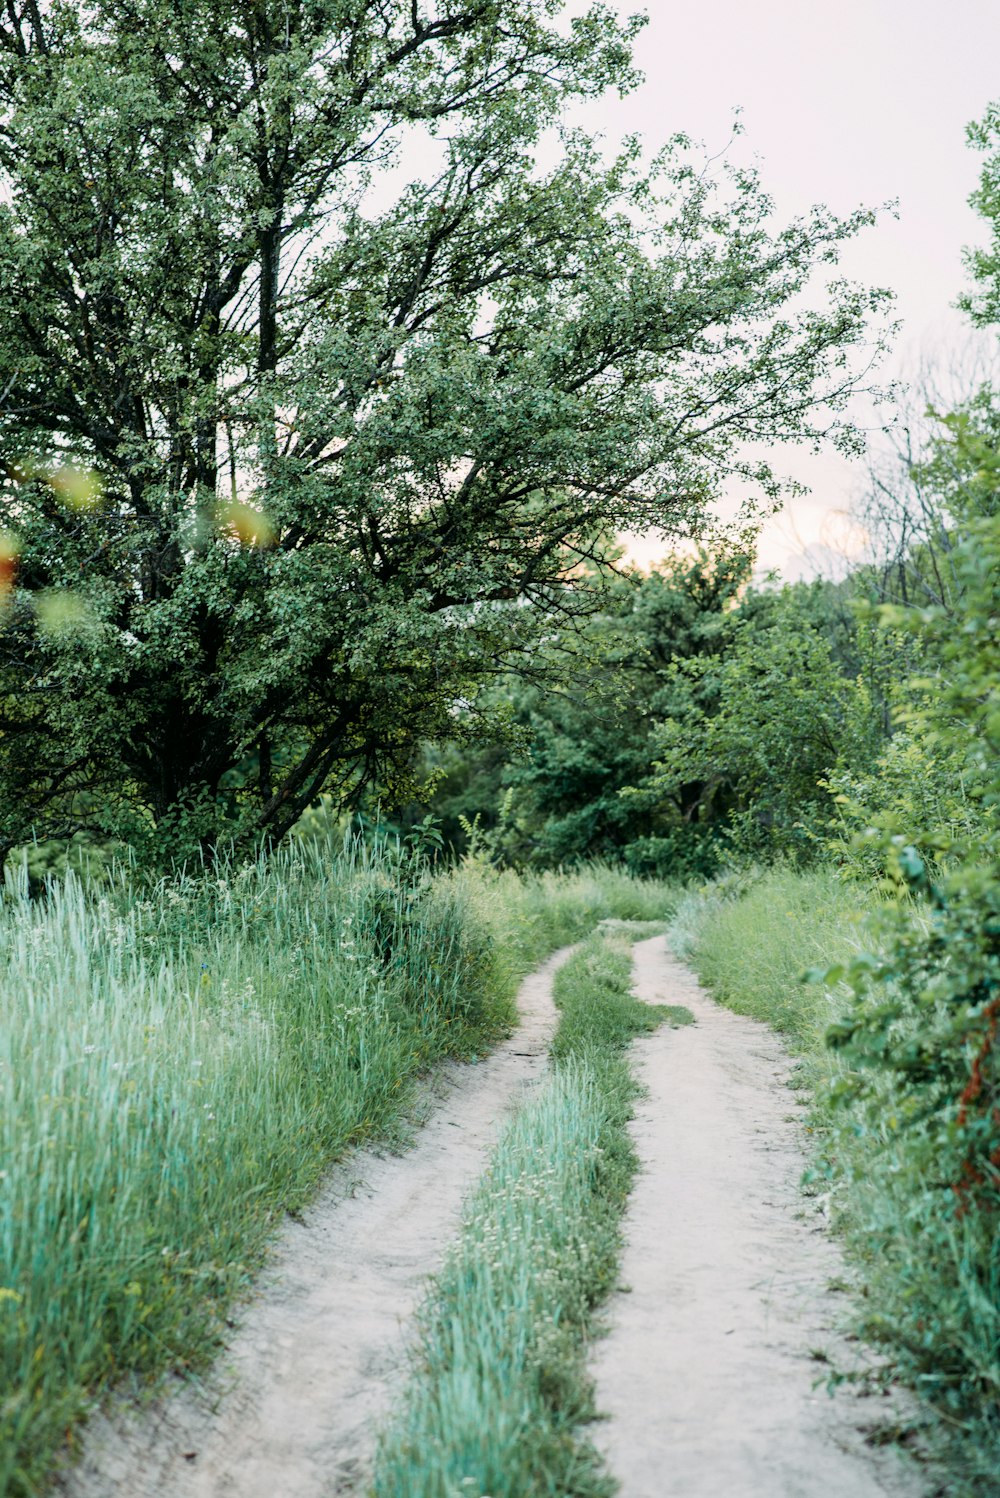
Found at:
(921, 1038)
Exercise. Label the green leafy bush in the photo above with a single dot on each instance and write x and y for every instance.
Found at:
(756, 725)
(922, 1094)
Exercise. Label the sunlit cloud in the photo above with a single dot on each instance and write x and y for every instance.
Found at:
(844, 535)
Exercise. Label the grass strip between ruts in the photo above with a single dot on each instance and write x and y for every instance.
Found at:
(500, 1389)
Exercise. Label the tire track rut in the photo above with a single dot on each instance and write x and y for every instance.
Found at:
(708, 1371)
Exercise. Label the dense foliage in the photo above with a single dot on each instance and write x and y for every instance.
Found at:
(289, 470)
(580, 787)
(700, 718)
(921, 1037)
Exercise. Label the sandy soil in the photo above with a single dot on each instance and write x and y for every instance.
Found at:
(708, 1371)
(293, 1407)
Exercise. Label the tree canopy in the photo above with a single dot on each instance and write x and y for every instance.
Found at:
(295, 457)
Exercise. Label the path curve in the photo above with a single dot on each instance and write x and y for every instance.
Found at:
(294, 1404)
(707, 1373)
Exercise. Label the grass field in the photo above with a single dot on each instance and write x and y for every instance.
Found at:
(751, 939)
(179, 1062)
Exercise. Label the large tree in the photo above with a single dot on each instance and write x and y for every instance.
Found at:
(299, 446)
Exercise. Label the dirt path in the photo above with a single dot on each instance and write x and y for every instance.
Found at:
(293, 1406)
(708, 1370)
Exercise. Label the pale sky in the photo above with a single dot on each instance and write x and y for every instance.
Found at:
(859, 103)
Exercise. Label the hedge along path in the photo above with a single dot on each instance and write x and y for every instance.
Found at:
(310, 1372)
(708, 1370)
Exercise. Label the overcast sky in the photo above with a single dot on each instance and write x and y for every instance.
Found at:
(861, 102)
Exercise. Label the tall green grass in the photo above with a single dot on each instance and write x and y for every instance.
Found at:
(500, 1387)
(178, 1064)
(751, 937)
(533, 913)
